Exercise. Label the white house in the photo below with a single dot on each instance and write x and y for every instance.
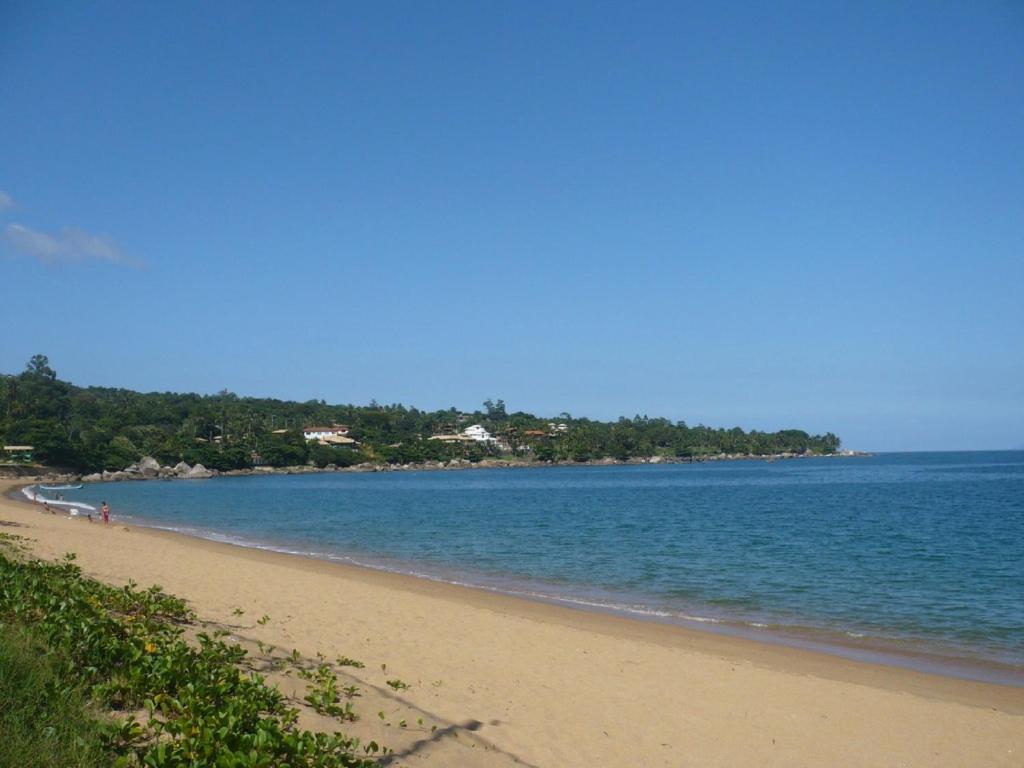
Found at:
(322, 433)
(479, 434)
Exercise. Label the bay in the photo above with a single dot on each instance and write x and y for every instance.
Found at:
(900, 556)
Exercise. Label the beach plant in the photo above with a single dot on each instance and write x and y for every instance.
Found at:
(345, 661)
(12, 542)
(323, 694)
(397, 684)
(124, 649)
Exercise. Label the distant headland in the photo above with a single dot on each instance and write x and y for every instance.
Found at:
(120, 434)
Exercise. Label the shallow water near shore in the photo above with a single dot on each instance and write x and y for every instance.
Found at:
(908, 558)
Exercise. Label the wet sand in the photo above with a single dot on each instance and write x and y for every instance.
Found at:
(553, 686)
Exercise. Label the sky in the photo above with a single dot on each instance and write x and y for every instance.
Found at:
(767, 215)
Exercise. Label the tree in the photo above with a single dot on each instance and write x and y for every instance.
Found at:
(495, 411)
(39, 366)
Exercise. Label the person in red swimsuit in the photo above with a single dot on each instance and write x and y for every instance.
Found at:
(105, 511)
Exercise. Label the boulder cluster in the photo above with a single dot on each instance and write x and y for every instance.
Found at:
(149, 468)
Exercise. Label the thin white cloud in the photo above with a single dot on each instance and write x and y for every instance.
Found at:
(67, 245)
(6, 201)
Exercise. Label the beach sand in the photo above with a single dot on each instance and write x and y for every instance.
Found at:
(530, 683)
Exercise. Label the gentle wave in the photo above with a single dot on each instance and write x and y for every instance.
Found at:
(552, 597)
(33, 495)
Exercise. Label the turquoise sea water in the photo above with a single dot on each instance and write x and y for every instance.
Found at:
(919, 557)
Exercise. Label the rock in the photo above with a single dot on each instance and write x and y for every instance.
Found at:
(654, 460)
(95, 477)
(149, 467)
(113, 477)
(132, 469)
(181, 469)
(198, 472)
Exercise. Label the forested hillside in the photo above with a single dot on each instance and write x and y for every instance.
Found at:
(94, 428)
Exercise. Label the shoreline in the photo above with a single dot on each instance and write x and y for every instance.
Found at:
(135, 472)
(557, 686)
(875, 650)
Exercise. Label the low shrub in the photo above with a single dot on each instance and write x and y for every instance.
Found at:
(124, 649)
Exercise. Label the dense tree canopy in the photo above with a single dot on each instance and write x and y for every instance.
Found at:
(93, 428)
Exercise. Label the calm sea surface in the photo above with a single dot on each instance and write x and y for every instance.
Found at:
(913, 556)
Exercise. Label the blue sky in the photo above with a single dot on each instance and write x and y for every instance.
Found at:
(758, 214)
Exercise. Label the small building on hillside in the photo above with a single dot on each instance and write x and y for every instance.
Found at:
(322, 433)
(338, 440)
(453, 438)
(18, 454)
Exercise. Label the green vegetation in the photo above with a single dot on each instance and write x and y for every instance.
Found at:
(96, 428)
(324, 696)
(43, 722)
(70, 646)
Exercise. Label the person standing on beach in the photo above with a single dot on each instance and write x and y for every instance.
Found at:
(105, 511)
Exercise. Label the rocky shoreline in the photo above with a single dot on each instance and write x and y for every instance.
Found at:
(149, 468)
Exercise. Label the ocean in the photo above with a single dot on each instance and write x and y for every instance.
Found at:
(914, 559)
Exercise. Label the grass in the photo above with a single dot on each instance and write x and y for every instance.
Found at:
(43, 722)
(71, 643)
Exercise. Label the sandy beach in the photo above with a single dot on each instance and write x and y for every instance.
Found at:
(536, 684)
